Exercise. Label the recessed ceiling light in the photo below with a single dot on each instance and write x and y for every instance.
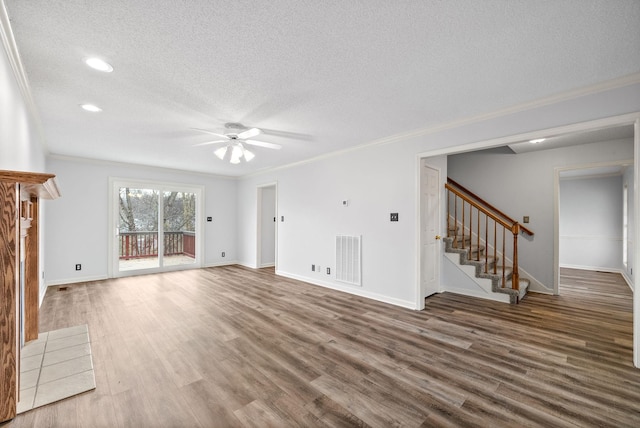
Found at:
(536, 141)
(90, 107)
(99, 64)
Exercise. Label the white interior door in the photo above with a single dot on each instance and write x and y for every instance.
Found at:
(430, 230)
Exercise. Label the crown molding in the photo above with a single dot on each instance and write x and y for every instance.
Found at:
(137, 166)
(11, 48)
(620, 82)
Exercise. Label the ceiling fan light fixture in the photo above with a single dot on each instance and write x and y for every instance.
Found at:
(99, 64)
(221, 152)
(248, 155)
(236, 154)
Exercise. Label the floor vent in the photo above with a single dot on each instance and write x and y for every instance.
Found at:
(348, 259)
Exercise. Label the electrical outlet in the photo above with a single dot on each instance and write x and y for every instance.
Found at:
(525, 219)
(209, 218)
(78, 266)
(394, 216)
(224, 254)
(328, 271)
(313, 268)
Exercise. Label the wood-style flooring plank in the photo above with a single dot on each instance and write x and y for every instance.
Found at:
(236, 347)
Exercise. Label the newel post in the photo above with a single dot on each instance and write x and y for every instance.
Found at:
(515, 278)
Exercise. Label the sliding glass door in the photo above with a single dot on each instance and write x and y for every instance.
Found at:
(179, 231)
(156, 227)
(137, 237)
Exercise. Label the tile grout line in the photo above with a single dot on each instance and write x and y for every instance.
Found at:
(44, 352)
(41, 366)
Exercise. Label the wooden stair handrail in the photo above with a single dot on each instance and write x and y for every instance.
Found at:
(489, 213)
(486, 204)
(498, 217)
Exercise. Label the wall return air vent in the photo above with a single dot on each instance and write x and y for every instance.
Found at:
(349, 259)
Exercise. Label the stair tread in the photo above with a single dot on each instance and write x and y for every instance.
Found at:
(472, 254)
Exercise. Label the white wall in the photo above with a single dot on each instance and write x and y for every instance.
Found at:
(376, 183)
(20, 145)
(591, 223)
(380, 179)
(21, 148)
(77, 223)
(523, 185)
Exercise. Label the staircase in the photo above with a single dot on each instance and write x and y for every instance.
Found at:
(488, 268)
(478, 233)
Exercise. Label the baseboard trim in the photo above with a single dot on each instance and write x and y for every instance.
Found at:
(535, 285)
(217, 264)
(76, 280)
(57, 282)
(629, 281)
(593, 268)
(248, 265)
(496, 297)
(349, 290)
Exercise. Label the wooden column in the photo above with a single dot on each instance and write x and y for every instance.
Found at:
(8, 300)
(31, 276)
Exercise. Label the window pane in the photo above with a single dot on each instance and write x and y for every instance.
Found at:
(138, 229)
(179, 219)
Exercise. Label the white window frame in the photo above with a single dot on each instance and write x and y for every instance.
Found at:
(115, 183)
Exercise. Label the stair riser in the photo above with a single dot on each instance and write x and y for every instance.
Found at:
(468, 256)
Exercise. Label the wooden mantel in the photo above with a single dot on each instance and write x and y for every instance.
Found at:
(38, 184)
(19, 197)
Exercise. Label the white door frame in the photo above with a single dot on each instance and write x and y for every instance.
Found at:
(625, 119)
(114, 182)
(423, 163)
(260, 189)
(556, 209)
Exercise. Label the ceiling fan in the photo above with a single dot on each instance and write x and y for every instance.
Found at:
(235, 142)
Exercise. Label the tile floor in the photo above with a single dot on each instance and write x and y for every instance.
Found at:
(57, 365)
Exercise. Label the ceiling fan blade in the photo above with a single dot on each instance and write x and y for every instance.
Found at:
(249, 133)
(211, 142)
(264, 144)
(210, 132)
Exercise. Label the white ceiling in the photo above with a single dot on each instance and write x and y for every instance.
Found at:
(316, 76)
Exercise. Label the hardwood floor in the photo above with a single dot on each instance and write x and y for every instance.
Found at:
(232, 346)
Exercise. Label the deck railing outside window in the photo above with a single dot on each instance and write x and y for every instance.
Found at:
(135, 245)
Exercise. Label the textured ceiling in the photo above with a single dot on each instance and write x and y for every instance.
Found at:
(316, 76)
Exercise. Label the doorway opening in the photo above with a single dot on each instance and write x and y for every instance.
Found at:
(267, 236)
(631, 119)
(593, 213)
